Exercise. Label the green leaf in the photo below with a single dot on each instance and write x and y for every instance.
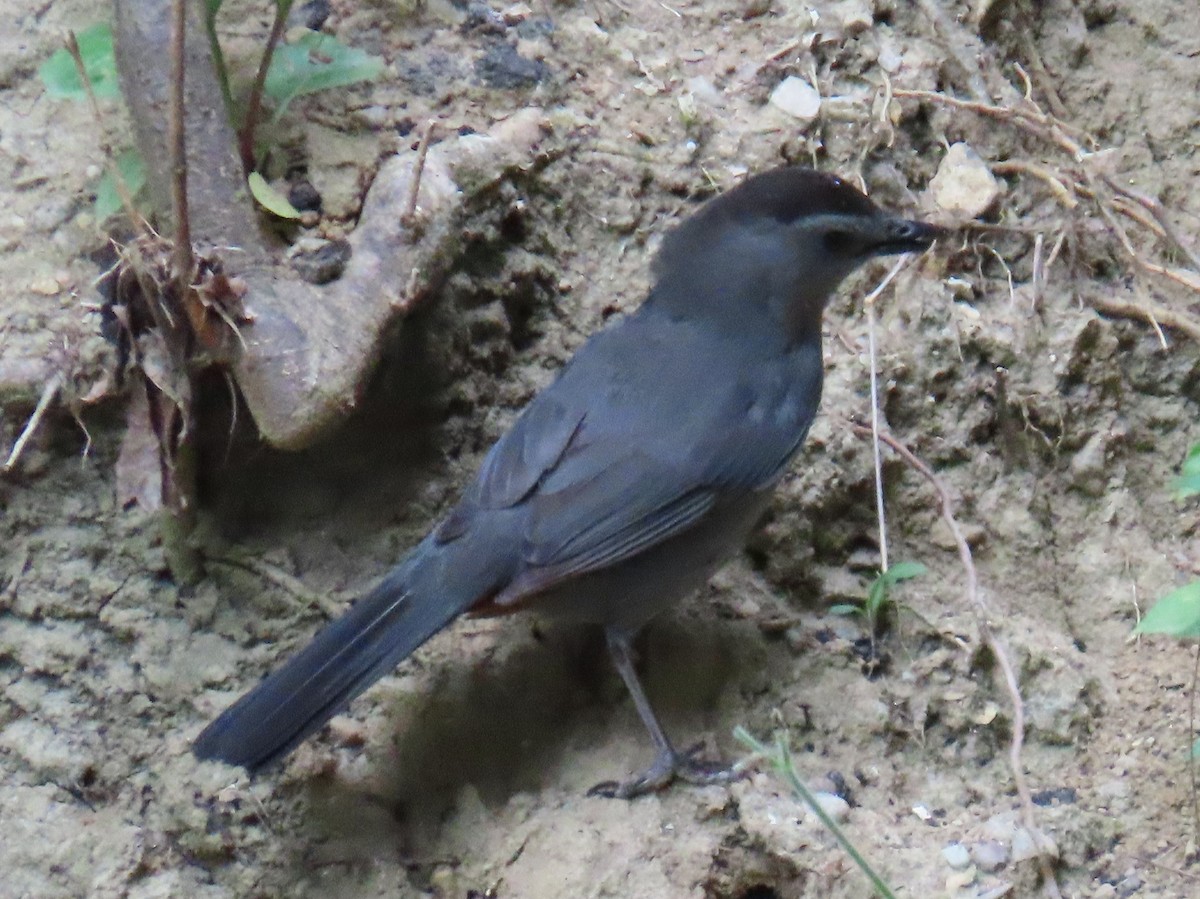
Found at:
(876, 597)
(1188, 482)
(271, 199)
(1176, 614)
(316, 62)
(133, 171)
(844, 608)
(903, 571)
(61, 78)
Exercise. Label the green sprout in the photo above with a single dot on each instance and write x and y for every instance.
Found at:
(879, 596)
(1178, 613)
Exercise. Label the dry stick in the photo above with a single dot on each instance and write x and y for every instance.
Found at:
(410, 208)
(1156, 209)
(1020, 166)
(49, 392)
(280, 578)
(1043, 76)
(1039, 270)
(178, 149)
(1148, 311)
(1188, 279)
(954, 39)
(869, 303)
(989, 638)
(1129, 210)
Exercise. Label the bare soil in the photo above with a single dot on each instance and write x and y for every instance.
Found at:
(1057, 430)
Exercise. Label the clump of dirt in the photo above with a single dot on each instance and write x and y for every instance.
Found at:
(1014, 362)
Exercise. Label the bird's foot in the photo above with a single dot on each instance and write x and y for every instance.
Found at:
(669, 766)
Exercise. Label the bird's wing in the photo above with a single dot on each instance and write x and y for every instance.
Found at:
(516, 462)
(636, 501)
(613, 493)
(635, 444)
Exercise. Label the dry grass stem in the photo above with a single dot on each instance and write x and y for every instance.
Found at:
(988, 635)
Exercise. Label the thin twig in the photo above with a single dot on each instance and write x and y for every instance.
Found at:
(1012, 291)
(869, 304)
(880, 506)
(414, 191)
(280, 578)
(954, 39)
(254, 104)
(1148, 311)
(1156, 209)
(1003, 661)
(1039, 270)
(1039, 69)
(1032, 119)
(49, 391)
(183, 260)
(1023, 167)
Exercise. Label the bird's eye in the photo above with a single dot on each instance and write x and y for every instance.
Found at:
(841, 242)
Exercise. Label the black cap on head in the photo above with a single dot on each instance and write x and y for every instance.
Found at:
(784, 194)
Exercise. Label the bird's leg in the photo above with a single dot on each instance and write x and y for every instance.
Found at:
(668, 763)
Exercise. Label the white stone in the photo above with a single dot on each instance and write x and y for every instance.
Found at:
(834, 806)
(963, 185)
(956, 856)
(797, 98)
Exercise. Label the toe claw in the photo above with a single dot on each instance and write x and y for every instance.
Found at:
(607, 789)
(684, 766)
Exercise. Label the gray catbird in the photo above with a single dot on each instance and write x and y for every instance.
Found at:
(626, 483)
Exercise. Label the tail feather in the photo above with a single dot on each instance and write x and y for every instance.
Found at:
(407, 608)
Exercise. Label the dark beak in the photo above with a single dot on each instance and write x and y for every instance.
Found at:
(905, 236)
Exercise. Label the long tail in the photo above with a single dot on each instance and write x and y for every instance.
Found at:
(417, 599)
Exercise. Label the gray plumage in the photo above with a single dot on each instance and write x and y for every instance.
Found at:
(623, 485)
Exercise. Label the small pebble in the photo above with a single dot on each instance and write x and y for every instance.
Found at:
(956, 856)
(515, 14)
(835, 806)
(1130, 883)
(960, 880)
(303, 196)
(797, 98)
(1023, 846)
(46, 287)
(1001, 889)
(1113, 789)
(1001, 827)
(501, 66)
(964, 186)
(319, 261)
(989, 855)
(315, 12)
(1026, 845)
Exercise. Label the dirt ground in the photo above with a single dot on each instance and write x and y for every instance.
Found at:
(1057, 430)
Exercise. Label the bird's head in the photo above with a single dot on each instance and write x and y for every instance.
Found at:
(784, 239)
